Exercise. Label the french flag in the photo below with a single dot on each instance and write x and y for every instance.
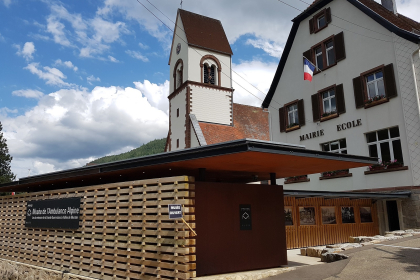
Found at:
(308, 69)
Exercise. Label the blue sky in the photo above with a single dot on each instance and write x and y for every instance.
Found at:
(82, 79)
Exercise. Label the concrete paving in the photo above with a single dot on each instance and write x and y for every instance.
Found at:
(398, 259)
(295, 259)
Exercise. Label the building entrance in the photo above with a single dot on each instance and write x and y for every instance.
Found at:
(393, 219)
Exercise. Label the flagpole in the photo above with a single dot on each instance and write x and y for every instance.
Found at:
(313, 64)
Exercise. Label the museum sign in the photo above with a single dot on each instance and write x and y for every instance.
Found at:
(53, 213)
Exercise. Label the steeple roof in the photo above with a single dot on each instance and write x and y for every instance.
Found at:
(205, 32)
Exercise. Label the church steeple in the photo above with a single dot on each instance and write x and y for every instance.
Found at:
(200, 77)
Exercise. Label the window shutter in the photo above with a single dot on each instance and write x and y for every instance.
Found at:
(340, 49)
(328, 15)
(308, 55)
(282, 120)
(390, 85)
(359, 95)
(341, 104)
(311, 26)
(301, 112)
(315, 107)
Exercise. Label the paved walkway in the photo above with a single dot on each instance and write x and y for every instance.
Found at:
(391, 260)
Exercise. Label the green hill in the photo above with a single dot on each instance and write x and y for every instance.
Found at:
(151, 148)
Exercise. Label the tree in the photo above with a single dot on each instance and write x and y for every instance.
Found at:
(6, 174)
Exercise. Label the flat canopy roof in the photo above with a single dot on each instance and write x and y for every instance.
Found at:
(351, 195)
(240, 161)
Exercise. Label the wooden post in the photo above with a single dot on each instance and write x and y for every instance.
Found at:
(273, 179)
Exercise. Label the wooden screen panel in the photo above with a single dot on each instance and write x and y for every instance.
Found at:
(124, 233)
(298, 236)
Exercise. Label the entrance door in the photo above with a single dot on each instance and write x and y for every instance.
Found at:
(392, 210)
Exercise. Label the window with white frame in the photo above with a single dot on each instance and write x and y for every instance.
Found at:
(385, 144)
(329, 48)
(292, 115)
(329, 102)
(319, 59)
(321, 21)
(337, 146)
(375, 85)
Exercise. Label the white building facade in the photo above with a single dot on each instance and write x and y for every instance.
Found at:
(363, 100)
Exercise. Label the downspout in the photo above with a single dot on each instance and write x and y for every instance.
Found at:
(417, 52)
(270, 131)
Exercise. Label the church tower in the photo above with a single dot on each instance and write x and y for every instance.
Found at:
(200, 79)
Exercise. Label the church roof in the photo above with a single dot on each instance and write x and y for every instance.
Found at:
(205, 32)
(249, 122)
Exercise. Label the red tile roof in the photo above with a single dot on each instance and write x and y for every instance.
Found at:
(401, 21)
(205, 32)
(249, 122)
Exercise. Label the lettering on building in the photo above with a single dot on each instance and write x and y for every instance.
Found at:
(312, 135)
(349, 125)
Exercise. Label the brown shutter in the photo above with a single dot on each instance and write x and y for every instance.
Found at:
(328, 15)
(282, 120)
(340, 49)
(315, 107)
(308, 55)
(359, 95)
(339, 95)
(311, 26)
(390, 85)
(301, 112)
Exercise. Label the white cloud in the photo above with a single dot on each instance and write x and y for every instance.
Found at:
(271, 48)
(27, 51)
(56, 28)
(28, 93)
(70, 127)
(4, 111)
(143, 46)
(255, 77)
(137, 55)
(92, 36)
(91, 79)
(156, 94)
(2, 38)
(112, 59)
(67, 64)
(7, 2)
(52, 76)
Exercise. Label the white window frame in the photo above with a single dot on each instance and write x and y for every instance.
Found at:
(339, 150)
(375, 82)
(327, 50)
(378, 143)
(292, 113)
(316, 57)
(318, 21)
(329, 98)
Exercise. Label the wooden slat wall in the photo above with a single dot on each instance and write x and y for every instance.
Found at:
(124, 231)
(304, 236)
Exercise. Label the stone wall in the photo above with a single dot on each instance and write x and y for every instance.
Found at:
(411, 210)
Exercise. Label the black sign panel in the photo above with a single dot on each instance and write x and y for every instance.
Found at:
(175, 211)
(53, 213)
(245, 217)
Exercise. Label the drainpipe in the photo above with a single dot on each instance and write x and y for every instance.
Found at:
(417, 52)
(270, 131)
